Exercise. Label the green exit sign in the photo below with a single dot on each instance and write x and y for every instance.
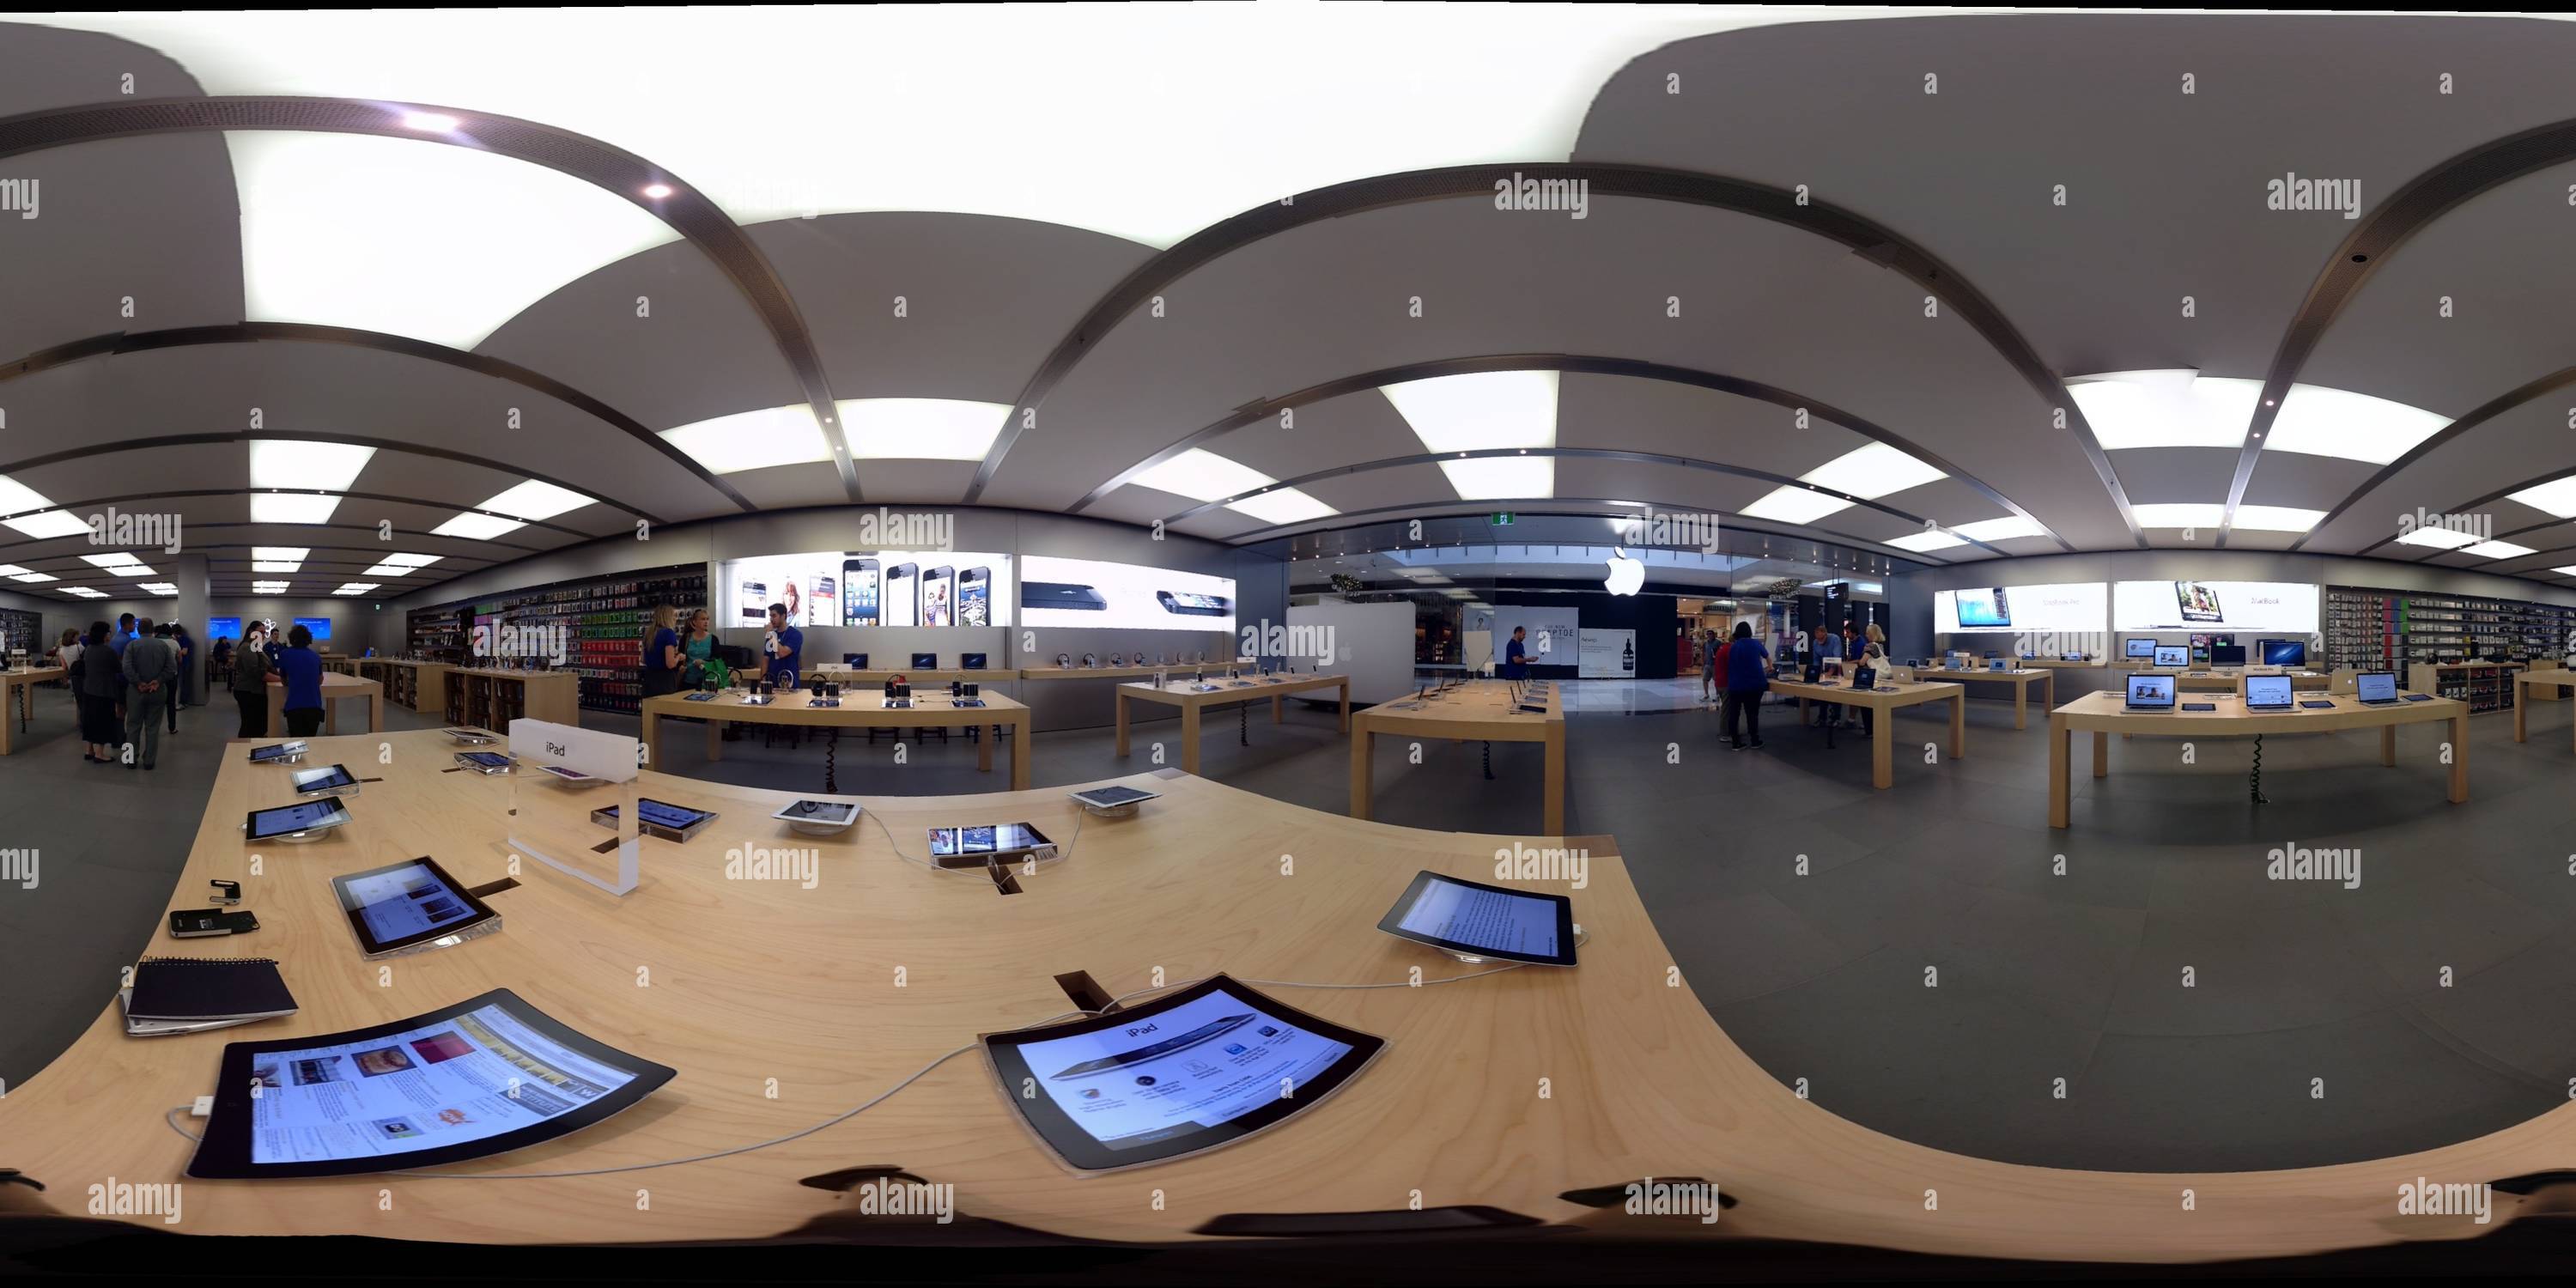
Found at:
(1502, 520)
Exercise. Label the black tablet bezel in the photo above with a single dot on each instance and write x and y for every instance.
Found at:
(1422, 881)
(1079, 1151)
(281, 752)
(504, 767)
(224, 1152)
(250, 820)
(326, 789)
(664, 830)
(372, 947)
(855, 808)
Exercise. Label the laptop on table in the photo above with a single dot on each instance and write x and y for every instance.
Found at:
(2267, 693)
(2151, 693)
(2376, 688)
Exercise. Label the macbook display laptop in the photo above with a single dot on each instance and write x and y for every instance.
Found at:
(2176, 655)
(2375, 688)
(2267, 693)
(2151, 693)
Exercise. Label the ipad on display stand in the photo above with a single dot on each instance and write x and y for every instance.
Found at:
(410, 907)
(327, 780)
(1478, 923)
(284, 753)
(818, 817)
(303, 821)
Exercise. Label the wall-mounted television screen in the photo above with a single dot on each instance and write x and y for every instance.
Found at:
(320, 626)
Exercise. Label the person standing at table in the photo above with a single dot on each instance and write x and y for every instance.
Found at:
(698, 645)
(250, 674)
(1748, 666)
(662, 656)
(151, 665)
(299, 669)
(1828, 648)
(187, 693)
(785, 645)
(1516, 654)
(102, 686)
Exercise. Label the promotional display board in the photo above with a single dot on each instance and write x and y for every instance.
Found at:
(1089, 592)
(1605, 655)
(1554, 638)
(2289, 606)
(2065, 607)
(870, 588)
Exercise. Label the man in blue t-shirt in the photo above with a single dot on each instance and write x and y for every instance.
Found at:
(1516, 655)
(785, 646)
(299, 669)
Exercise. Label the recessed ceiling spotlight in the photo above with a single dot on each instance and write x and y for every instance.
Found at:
(430, 122)
(657, 191)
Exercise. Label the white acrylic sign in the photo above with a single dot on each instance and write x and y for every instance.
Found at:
(605, 756)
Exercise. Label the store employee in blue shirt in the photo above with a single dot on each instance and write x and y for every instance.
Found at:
(299, 668)
(1516, 655)
(786, 647)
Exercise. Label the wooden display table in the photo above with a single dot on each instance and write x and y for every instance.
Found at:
(1482, 710)
(1882, 743)
(420, 686)
(1182, 693)
(857, 711)
(876, 677)
(2103, 714)
(22, 683)
(2228, 679)
(2030, 675)
(335, 687)
(489, 699)
(2544, 686)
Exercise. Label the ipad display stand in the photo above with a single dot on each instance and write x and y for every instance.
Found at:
(1471, 959)
(604, 756)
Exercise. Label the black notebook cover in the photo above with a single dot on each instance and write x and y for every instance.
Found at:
(208, 988)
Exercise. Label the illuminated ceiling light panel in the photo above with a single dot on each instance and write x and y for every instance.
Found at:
(412, 561)
(2438, 538)
(293, 553)
(2179, 514)
(33, 576)
(354, 588)
(2317, 421)
(389, 570)
(1795, 505)
(161, 587)
(1926, 541)
(530, 501)
(2558, 498)
(47, 522)
(751, 440)
(277, 565)
(110, 561)
(1479, 411)
(133, 570)
(921, 429)
(302, 466)
(2171, 408)
(2497, 550)
(1205, 476)
(893, 84)
(2003, 529)
(268, 587)
(291, 507)
(84, 592)
(2277, 518)
(1502, 478)
(2569, 571)
(10, 570)
(415, 238)
(1872, 471)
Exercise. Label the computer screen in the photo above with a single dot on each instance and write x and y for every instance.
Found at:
(1984, 607)
(2141, 647)
(320, 626)
(2267, 690)
(2376, 686)
(2285, 652)
(2173, 655)
(2151, 690)
(2227, 655)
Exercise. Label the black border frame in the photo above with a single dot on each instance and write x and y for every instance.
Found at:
(250, 819)
(1422, 881)
(1079, 1150)
(328, 789)
(224, 1152)
(370, 947)
(306, 749)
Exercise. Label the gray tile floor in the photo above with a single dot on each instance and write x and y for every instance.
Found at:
(2319, 1025)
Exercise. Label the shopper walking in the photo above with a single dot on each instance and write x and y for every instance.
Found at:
(251, 670)
(151, 675)
(299, 669)
(1748, 667)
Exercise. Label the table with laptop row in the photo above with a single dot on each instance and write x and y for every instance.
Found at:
(2153, 702)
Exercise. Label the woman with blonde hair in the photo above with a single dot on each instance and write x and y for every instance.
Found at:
(662, 656)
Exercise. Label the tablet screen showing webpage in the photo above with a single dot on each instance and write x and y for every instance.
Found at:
(1201, 1064)
(480, 1075)
(1494, 920)
(404, 902)
(294, 818)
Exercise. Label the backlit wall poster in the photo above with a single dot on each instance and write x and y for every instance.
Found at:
(1605, 654)
(870, 588)
(1089, 592)
(1554, 636)
(2062, 607)
(2289, 606)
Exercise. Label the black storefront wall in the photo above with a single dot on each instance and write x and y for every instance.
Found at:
(1655, 618)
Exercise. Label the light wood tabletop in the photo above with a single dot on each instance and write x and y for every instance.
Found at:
(2103, 714)
(1885, 700)
(336, 686)
(22, 684)
(795, 707)
(783, 1006)
(2228, 679)
(2534, 684)
(1184, 692)
(1476, 710)
(2022, 678)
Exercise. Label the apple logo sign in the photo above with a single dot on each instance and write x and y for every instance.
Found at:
(1626, 574)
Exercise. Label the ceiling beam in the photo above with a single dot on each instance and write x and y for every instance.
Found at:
(603, 165)
(245, 435)
(2481, 414)
(1881, 245)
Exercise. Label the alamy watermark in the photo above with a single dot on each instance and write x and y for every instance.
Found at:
(898, 530)
(1651, 1197)
(1518, 862)
(1672, 529)
(136, 1198)
(800, 864)
(2291, 192)
(115, 527)
(19, 866)
(2479, 526)
(1573, 197)
(2294, 862)
(2423, 1197)
(20, 195)
(1267, 638)
(552, 642)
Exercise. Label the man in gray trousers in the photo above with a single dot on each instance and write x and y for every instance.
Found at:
(152, 678)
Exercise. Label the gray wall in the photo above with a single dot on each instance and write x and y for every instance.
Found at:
(1910, 594)
(1261, 588)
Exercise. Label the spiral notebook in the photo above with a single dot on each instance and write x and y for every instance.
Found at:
(193, 994)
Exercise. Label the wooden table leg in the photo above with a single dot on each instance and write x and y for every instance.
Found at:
(2460, 759)
(330, 715)
(4, 733)
(1122, 723)
(376, 711)
(2517, 716)
(2048, 690)
(715, 740)
(2388, 744)
(1346, 704)
(983, 749)
(1882, 753)
(1278, 707)
(1360, 752)
(1802, 711)
(2021, 704)
(1019, 749)
(2058, 734)
(652, 739)
(2102, 754)
(1189, 738)
(1958, 725)
(1552, 788)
